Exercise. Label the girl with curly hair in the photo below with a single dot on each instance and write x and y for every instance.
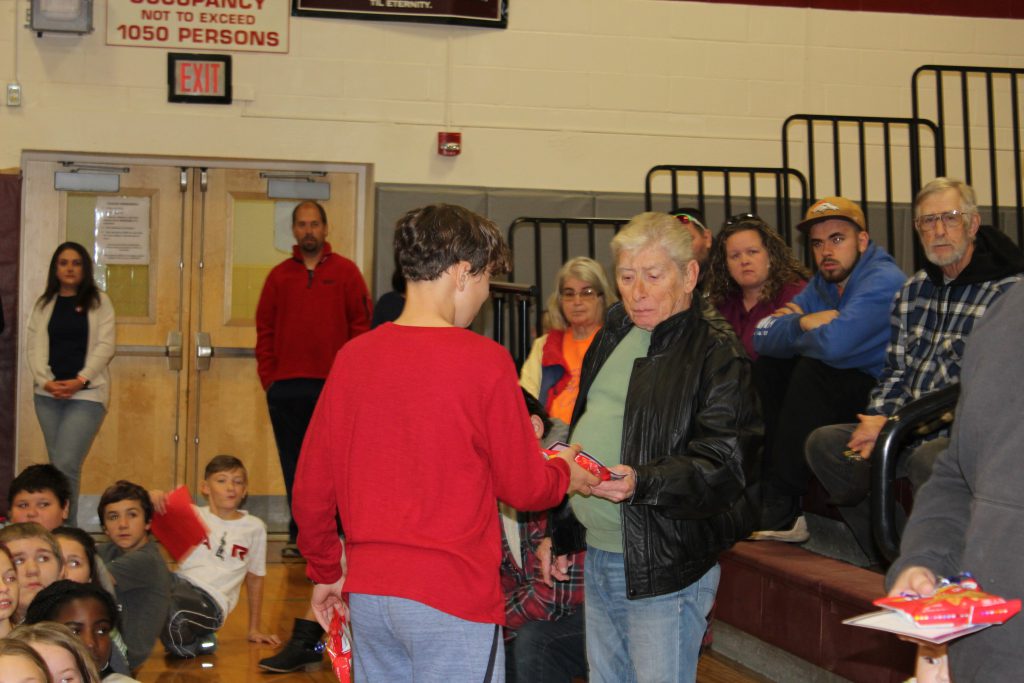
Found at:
(753, 273)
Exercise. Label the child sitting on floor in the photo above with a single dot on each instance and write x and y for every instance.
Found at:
(37, 560)
(208, 582)
(41, 494)
(141, 578)
(91, 614)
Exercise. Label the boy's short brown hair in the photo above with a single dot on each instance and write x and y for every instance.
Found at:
(125, 490)
(224, 463)
(431, 239)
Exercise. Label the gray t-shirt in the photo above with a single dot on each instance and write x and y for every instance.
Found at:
(143, 585)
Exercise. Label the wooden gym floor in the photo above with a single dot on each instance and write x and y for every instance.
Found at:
(286, 596)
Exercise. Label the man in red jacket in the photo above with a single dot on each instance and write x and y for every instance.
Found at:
(310, 306)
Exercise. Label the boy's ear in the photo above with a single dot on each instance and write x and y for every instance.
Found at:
(64, 511)
(538, 426)
(204, 488)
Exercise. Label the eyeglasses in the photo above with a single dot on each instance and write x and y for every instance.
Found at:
(950, 220)
(586, 294)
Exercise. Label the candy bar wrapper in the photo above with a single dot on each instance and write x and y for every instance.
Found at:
(958, 603)
(339, 647)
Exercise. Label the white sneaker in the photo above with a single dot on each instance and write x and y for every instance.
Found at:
(797, 534)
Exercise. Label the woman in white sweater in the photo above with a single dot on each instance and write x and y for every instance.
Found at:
(70, 342)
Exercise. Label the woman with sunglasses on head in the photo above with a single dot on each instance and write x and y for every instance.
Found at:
(70, 342)
(753, 273)
(575, 313)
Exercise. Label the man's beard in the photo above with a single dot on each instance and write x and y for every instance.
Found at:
(310, 245)
(840, 275)
(948, 260)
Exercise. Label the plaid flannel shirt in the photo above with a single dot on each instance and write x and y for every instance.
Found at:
(930, 326)
(527, 598)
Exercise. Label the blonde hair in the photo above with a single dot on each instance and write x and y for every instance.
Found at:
(25, 530)
(968, 200)
(581, 268)
(17, 648)
(60, 635)
(654, 229)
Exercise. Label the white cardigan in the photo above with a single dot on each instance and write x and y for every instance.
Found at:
(98, 353)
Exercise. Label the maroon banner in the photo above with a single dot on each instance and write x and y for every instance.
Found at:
(994, 9)
(489, 13)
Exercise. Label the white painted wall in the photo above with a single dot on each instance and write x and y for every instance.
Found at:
(574, 95)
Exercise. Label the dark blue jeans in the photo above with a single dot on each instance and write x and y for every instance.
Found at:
(547, 651)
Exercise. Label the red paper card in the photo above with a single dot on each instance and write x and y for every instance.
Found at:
(179, 529)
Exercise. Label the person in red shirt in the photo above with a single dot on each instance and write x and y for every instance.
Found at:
(420, 430)
(310, 306)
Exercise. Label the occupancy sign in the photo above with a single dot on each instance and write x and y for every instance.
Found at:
(221, 25)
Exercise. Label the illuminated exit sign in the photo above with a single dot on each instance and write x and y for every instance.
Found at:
(199, 78)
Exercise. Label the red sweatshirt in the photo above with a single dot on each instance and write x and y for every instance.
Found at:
(418, 431)
(304, 317)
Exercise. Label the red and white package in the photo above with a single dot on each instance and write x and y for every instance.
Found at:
(339, 647)
(955, 603)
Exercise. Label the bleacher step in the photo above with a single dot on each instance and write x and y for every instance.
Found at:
(795, 600)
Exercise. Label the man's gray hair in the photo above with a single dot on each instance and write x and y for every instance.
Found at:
(655, 229)
(968, 200)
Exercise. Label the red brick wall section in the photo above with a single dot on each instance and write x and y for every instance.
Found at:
(995, 9)
(10, 247)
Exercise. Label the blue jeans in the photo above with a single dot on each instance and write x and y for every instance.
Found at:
(69, 427)
(650, 640)
(394, 639)
(547, 651)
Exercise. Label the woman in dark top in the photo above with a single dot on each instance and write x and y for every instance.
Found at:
(753, 273)
(70, 342)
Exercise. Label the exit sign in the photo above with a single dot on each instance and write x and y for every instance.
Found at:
(198, 78)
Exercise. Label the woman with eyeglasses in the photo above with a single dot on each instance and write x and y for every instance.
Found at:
(752, 274)
(70, 342)
(575, 313)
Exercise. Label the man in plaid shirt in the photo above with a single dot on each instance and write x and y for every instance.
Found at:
(969, 267)
(544, 641)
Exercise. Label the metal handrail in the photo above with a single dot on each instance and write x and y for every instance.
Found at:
(563, 225)
(783, 195)
(521, 295)
(911, 422)
(989, 73)
(837, 126)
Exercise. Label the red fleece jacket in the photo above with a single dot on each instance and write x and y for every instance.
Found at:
(304, 316)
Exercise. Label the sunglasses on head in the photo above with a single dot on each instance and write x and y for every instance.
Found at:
(687, 219)
(743, 218)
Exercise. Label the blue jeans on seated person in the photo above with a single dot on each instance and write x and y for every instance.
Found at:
(69, 427)
(547, 651)
(394, 639)
(848, 480)
(650, 640)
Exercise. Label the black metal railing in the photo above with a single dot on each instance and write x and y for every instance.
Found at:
(1000, 156)
(787, 192)
(512, 303)
(913, 421)
(875, 174)
(581, 231)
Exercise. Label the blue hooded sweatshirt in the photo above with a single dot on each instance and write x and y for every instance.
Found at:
(858, 337)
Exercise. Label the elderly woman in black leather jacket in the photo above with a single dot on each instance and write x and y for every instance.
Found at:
(666, 401)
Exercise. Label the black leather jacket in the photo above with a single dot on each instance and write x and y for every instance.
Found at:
(693, 434)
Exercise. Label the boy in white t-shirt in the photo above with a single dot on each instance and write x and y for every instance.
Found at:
(208, 582)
